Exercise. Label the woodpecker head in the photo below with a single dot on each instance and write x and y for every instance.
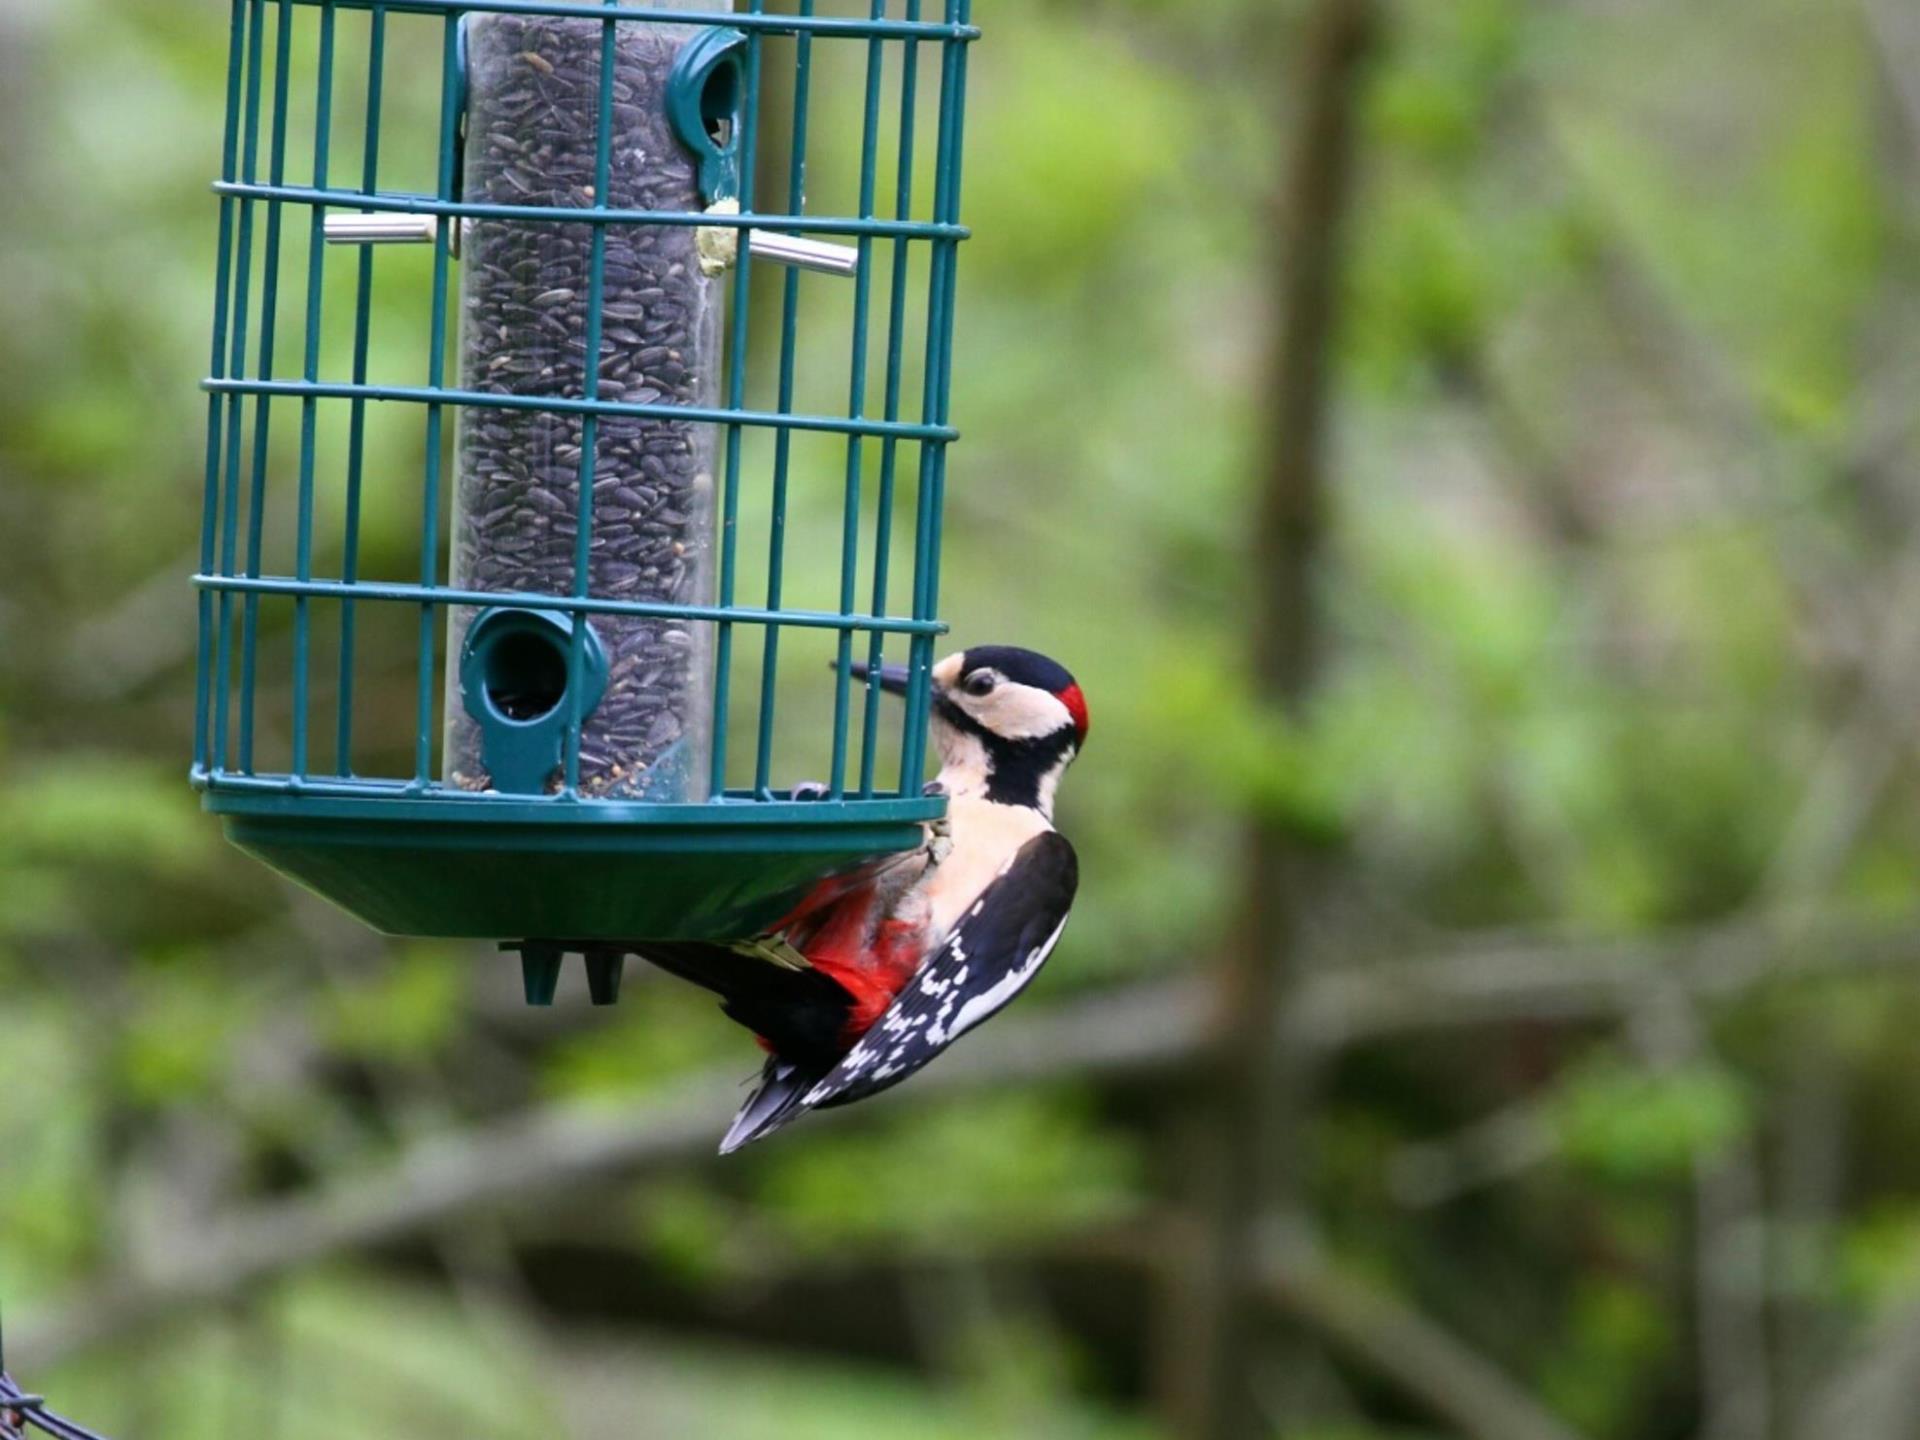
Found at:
(1008, 723)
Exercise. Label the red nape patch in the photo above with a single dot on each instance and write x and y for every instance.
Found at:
(1076, 704)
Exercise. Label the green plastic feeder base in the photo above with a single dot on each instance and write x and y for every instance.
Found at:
(495, 869)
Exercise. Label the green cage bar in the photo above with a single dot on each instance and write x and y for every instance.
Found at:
(298, 613)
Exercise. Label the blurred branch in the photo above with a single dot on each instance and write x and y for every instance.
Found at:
(1894, 34)
(1864, 751)
(562, 1147)
(1810, 1178)
(1876, 1395)
(1691, 367)
(1534, 981)
(1400, 1344)
(1370, 1327)
(1247, 1124)
(144, 635)
(1144, 1031)
(1497, 1147)
(1730, 1316)
(1597, 980)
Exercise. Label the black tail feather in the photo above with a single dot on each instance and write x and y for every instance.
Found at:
(801, 1014)
(783, 1086)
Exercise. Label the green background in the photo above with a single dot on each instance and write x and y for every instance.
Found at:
(1599, 1001)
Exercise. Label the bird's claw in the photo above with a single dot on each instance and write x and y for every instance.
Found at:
(939, 832)
(808, 790)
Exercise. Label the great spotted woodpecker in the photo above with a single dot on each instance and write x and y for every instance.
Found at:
(873, 975)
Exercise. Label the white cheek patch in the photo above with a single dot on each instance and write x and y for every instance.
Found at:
(1020, 712)
(961, 753)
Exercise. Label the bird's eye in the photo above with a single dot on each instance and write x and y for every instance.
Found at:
(981, 682)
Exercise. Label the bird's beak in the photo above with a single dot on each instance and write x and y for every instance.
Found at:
(893, 678)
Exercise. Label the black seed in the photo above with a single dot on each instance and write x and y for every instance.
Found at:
(534, 99)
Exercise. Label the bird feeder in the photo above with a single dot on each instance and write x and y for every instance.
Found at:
(559, 777)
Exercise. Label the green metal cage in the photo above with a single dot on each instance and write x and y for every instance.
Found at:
(556, 866)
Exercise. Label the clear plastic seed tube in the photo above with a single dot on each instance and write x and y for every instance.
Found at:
(532, 122)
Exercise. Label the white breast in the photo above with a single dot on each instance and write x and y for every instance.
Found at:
(986, 837)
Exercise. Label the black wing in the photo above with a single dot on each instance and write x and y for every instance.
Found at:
(795, 1008)
(995, 949)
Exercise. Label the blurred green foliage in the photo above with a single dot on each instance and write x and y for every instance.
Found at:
(1621, 500)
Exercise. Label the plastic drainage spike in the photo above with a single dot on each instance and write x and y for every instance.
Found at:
(539, 970)
(605, 968)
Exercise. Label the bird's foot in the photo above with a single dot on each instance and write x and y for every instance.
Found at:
(939, 832)
(810, 790)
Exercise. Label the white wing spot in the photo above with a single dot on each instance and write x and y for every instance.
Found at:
(914, 1031)
(980, 1006)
